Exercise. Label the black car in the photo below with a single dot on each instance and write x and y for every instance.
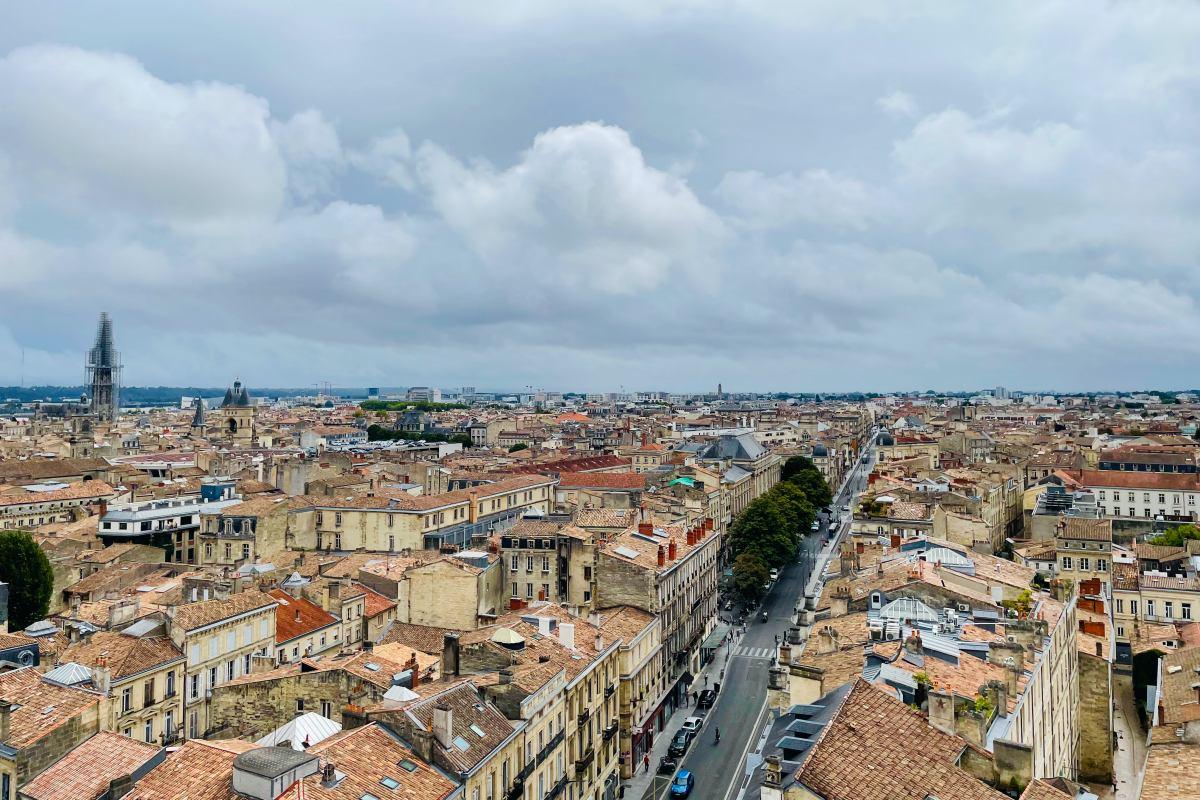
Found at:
(679, 744)
(706, 699)
(667, 765)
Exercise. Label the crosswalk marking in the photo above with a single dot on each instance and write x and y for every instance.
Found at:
(755, 652)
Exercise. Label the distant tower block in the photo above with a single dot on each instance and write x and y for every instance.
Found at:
(104, 372)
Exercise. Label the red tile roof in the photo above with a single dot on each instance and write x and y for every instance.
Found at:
(296, 616)
(85, 772)
(375, 603)
(602, 480)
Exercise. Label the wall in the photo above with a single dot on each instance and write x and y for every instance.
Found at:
(1095, 719)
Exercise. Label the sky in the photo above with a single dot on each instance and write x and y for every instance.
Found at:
(826, 196)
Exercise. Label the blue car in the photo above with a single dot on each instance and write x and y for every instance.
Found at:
(684, 781)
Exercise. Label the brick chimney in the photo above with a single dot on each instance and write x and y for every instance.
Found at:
(673, 550)
(646, 528)
(5, 720)
(662, 555)
(708, 523)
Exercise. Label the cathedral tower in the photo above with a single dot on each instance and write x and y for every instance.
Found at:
(104, 372)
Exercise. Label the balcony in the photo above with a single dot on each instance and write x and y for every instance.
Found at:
(611, 730)
(546, 751)
(557, 788)
(584, 716)
(585, 760)
(516, 791)
(610, 690)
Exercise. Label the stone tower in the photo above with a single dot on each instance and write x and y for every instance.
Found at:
(237, 415)
(104, 372)
(198, 423)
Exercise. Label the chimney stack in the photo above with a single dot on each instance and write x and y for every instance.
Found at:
(646, 528)
(662, 555)
(566, 634)
(5, 720)
(450, 654)
(443, 725)
(328, 775)
(119, 787)
(672, 550)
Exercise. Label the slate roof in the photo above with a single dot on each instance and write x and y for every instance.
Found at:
(468, 714)
(743, 447)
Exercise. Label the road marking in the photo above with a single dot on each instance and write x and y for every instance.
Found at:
(755, 652)
(738, 778)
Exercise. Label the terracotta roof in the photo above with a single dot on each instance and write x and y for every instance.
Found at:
(374, 603)
(425, 638)
(85, 772)
(75, 491)
(602, 480)
(876, 748)
(125, 655)
(191, 616)
(41, 468)
(1172, 771)
(43, 706)
(605, 517)
(366, 756)
(469, 714)
(624, 622)
(1038, 789)
(198, 770)
(1091, 530)
(297, 616)
(1122, 479)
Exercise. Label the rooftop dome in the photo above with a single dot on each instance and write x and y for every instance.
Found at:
(886, 439)
(236, 396)
(820, 451)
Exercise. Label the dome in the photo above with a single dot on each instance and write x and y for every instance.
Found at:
(236, 396)
(886, 439)
(820, 451)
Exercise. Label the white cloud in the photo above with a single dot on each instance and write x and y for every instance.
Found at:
(313, 153)
(388, 158)
(581, 207)
(816, 197)
(899, 105)
(99, 132)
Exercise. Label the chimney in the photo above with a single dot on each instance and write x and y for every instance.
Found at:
(673, 550)
(708, 523)
(662, 555)
(5, 720)
(646, 528)
(450, 654)
(599, 642)
(505, 676)
(691, 537)
(328, 775)
(443, 725)
(773, 774)
(566, 634)
(415, 669)
(102, 675)
(913, 643)
(119, 787)
(222, 590)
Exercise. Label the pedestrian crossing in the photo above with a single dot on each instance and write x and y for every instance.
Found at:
(755, 652)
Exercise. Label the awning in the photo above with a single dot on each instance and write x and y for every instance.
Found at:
(713, 640)
(686, 678)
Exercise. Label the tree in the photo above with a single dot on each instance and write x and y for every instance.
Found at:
(795, 465)
(26, 570)
(518, 446)
(750, 576)
(1177, 536)
(762, 529)
(795, 508)
(461, 438)
(812, 482)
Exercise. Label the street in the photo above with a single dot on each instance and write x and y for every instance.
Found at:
(740, 710)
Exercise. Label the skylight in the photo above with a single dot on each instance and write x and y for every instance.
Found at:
(390, 783)
(371, 665)
(462, 744)
(478, 731)
(406, 765)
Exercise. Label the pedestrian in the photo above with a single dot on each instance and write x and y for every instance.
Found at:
(646, 761)
(695, 695)
(705, 681)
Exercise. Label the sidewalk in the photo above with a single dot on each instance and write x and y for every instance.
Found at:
(642, 780)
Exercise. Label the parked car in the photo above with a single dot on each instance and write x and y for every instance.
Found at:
(679, 744)
(706, 698)
(667, 765)
(693, 724)
(816, 526)
(683, 784)
(774, 575)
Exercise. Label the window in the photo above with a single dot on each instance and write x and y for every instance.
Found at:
(1133, 607)
(391, 521)
(587, 573)
(194, 686)
(168, 724)
(337, 519)
(1129, 496)
(228, 551)
(587, 595)
(546, 590)
(319, 520)
(1162, 498)
(299, 704)
(1119, 605)
(514, 563)
(1185, 610)
(391, 543)
(1121, 631)
(514, 590)
(208, 551)
(231, 641)
(1085, 564)
(327, 709)
(231, 669)
(148, 693)
(1169, 609)
(337, 541)
(529, 591)
(212, 677)
(171, 684)
(529, 564)
(126, 699)
(247, 660)
(245, 552)
(1068, 562)
(1101, 494)
(545, 563)
(1116, 511)
(1149, 609)
(149, 732)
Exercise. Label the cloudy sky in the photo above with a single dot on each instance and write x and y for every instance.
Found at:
(849, 196)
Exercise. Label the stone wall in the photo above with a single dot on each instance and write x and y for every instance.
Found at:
(1095, 719)
(32, 760)
(620, 583)
(252, 710)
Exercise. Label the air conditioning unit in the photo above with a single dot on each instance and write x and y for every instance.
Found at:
(964, 608)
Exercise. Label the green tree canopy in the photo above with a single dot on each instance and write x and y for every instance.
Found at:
(762, 529)
(26, 570)
(750, 575)
(461, 438)
(795, 508)
(518, 446)
(795, 465)
(1177, 536)
(813, 484)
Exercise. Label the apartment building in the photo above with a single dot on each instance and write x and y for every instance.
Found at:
(141, 673)
(167, 523)
(1083, 550)
(1127, 496)
(302, 628)
(40, 722)
(672, 573)
(220, 639)
(39, 504)
(643, 680)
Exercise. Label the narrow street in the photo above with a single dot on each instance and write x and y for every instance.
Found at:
(740, 713)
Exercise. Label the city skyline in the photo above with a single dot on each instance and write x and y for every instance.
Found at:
(621, 196)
